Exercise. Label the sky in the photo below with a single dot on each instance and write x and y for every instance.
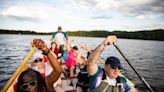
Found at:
(73, 15)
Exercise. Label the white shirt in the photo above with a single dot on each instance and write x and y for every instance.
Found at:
(110, 81)
(60, 38)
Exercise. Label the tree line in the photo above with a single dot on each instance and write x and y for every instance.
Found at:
(156, 34)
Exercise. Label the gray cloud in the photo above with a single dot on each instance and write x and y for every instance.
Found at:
(6, 4)
(128, 8)
(24, 18)
(156, 8)
(21, 18)
(101, 17)
(86, 2)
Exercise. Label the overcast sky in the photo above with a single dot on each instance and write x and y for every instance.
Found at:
(46, 15)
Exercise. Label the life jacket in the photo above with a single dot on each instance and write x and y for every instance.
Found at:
(83, 78)
(105, 87)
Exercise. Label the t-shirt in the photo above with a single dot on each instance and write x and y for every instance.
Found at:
(61, 37)
(65, 56)
(71, 61)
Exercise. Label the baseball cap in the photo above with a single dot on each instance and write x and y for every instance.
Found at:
(113, 61)
(75, 47)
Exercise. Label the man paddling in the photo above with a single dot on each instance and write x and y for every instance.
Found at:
(107, 79)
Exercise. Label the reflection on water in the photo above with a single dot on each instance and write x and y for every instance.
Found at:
(146, 56)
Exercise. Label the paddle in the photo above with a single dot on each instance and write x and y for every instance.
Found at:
(143, 80)
(11, 87)
(101, 61)
(19, 70)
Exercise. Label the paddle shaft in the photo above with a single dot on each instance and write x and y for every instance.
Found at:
(101, 61)
(142, 79)
(19, 70)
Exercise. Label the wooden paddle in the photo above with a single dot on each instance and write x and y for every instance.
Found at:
(11, 87)
(19, 70)
(101, 61)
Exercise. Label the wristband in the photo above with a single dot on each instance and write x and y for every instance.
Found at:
(46, 53)
(106, 44)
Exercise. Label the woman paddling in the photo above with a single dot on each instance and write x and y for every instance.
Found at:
(32, 81)
(41, 64)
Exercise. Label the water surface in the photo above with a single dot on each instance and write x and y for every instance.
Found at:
(146, 56)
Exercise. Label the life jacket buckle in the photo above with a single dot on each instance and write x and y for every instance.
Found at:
(119, 84)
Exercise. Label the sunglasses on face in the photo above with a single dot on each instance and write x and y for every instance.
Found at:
(36, 60)
(25, 85)
(114, 67)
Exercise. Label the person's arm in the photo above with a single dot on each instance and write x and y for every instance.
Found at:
(58, 45)
(53, 35)
(92, 66)
(53, 77)
(68, 45)
(66, 37)
(38, 43)
(80, 54)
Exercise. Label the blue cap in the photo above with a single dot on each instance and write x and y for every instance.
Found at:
(113, 61)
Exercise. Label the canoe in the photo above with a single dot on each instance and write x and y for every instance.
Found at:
(66, 84)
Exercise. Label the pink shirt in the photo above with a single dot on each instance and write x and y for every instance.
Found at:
(71, 61)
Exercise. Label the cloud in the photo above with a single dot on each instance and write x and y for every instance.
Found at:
(101, 17)
(153, 26)
(144, 26)
(4, 4)
(119, 14)
(23, 13)
(23, 18)
(139, 9)
(147, 9)
(24, 10)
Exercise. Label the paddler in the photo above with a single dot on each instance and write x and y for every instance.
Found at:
(107, 79)
(32, 81)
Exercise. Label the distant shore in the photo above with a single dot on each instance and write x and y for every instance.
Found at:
(156, 34)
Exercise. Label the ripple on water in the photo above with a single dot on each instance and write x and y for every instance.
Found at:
(146, 56)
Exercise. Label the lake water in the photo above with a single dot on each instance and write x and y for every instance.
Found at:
(145, 55)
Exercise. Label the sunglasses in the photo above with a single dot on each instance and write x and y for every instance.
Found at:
(36, 60)
(114, 67)
(25, 85)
